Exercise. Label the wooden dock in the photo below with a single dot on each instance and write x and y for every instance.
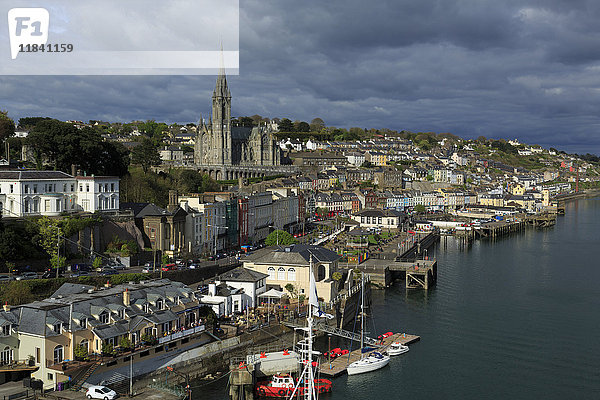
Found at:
(338, 366)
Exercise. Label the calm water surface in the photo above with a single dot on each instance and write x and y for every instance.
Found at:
(515, 318)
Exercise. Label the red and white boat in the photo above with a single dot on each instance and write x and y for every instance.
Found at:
(282, 385)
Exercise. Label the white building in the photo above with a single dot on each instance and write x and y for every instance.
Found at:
(251, 282)
(50, 193)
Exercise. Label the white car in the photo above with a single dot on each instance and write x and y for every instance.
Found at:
(26, 276)
(101, 392)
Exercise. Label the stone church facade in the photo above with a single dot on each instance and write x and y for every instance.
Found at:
(228, 152)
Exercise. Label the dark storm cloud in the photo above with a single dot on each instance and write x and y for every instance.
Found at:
(512, 69)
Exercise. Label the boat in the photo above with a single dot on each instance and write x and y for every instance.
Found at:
(397, 348)
(283, 385)
(374, 360)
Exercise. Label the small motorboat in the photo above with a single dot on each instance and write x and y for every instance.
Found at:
(282, 385)
(397, 348)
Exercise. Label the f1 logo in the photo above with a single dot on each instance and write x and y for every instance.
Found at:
(27, 26)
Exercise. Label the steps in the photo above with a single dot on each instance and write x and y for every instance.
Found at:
(80, 380)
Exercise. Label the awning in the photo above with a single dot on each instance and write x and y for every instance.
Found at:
(274, 294)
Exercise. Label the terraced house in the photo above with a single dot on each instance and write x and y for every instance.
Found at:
(79, 318)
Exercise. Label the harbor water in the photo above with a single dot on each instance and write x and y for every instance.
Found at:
(517, 317)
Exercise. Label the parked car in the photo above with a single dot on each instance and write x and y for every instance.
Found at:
(6, 278)
(147, 270)
(169, 267)
(108, 271)
(118, 267)
(27, 275)
(100, 392)
(77, 274)
(51, 274)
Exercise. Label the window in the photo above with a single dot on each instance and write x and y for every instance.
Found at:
(281, 274)
(11, 188)
(34, 188)
(87, 187)
(121, 313)
(106, 187)
(159, 304)
(37, 354)
(103, 317)
(26, 188)
(50, 377)
(291, 274)
(271, 272)
(57, 205)
(112, 187)
(58, 354)
(72, 187)
(56, 328)
(6, 330)
(83, 323)
(46, 205)
(6, 357)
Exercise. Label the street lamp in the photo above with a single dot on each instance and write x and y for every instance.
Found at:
(276, 233)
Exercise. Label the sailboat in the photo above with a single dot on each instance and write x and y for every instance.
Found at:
(374, 360)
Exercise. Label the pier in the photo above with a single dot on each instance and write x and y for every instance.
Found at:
(338, 366)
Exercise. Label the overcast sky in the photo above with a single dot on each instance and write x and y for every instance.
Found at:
(501, 69)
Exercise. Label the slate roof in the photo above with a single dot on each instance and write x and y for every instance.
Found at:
(297, 254)
(241, 274)
(31, 174)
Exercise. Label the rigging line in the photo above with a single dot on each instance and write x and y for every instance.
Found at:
(353, 327)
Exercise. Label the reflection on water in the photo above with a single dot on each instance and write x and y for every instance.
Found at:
(513, 318)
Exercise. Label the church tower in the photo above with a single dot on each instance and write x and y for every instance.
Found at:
(221, 121)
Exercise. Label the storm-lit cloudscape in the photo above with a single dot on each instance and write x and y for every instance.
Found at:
(510, 69)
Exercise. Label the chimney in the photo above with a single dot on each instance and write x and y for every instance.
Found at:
(126, 298)
(73, 169)
(6, 306)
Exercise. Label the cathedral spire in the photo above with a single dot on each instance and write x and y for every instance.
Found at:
(221, 89)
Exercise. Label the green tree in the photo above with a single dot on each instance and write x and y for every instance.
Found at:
(48, 239)
(281, 237)
(285, 125)
(301, 126)
(321, 211)
(420, 208)
(81, 353)
(107, 348)
(7, 126)
(125, 343)
(164, 259)
(62, 145)
(290, 288)
(145, 155)
(317, 124)
(336, 276)
(97, 263)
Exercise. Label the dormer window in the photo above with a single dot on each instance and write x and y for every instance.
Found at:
(56, 328)
(83, 323)
(159, 304)
(6, 330)
(121, 313)
(103, 317)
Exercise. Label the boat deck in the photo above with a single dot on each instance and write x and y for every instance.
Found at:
(338, 366)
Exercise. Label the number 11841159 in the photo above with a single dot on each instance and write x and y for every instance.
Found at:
(46, 48)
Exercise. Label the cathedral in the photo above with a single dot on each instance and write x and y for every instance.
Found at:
(225, 151)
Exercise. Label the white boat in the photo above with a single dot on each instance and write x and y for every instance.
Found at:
(397, 348)
(372, 362)
(375, 360)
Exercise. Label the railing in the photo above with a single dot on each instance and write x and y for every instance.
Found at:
(181, 334)
(343, 296)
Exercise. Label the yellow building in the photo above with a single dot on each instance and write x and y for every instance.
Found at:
(291, 265)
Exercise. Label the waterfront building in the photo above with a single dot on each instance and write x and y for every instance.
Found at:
(50, 193)
(383, 219)
(291, 265)
(253, 283)
(80, 316)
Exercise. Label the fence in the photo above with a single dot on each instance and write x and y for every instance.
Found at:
(181, 334)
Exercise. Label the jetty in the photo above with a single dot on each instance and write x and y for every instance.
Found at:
(338, 366)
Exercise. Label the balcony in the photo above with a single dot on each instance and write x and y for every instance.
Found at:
(17, 366)
(181, 334)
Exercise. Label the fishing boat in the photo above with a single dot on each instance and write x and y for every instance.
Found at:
(397, 348)
(283, 385)
(374, 360)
